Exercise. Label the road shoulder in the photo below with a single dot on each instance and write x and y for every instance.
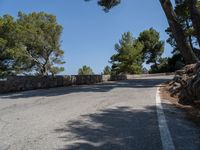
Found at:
(185, 132)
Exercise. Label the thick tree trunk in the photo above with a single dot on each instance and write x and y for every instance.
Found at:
(181, 40)
(197, 52)
(44, 69)
(195, 16)
(189, 37)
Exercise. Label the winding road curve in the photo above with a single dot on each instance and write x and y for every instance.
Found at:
(110, 116)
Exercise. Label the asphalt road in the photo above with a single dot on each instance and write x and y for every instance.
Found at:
(110, 116)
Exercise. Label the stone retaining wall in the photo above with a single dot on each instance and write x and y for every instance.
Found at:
(134, 76)
(22, 83)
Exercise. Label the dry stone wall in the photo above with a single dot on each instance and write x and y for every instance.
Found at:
(22, 83)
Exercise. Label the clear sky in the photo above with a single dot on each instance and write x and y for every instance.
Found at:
(89, 34)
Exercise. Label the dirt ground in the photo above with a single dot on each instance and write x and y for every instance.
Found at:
(192, 111)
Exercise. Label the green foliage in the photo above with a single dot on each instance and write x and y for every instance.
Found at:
(11, 55)
(56, 70)
(40, 35)
(168, 64)
(107, 70)
(132, 53)
(184, 18)
(162, 66)
(107, 4)
(153, 47)
(31, 43)
(85, 70)
(129, 56)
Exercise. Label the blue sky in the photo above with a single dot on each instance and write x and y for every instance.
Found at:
(89, 34)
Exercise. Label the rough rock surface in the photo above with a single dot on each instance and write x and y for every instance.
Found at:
(186, 84)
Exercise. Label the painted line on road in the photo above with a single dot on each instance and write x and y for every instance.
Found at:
(166, 139)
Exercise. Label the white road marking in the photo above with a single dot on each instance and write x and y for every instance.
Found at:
(167, 142)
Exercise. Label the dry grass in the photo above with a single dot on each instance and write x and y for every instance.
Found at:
(192, 111)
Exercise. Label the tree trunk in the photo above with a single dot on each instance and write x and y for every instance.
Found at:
(195, 16)
(181, 40)
(189, 37)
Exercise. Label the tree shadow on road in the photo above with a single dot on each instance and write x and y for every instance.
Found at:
(120, 128)
(102, 87)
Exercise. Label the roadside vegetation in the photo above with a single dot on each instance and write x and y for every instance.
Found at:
(30, 44)
(133, 53)
(85, 70)
(107, 70)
